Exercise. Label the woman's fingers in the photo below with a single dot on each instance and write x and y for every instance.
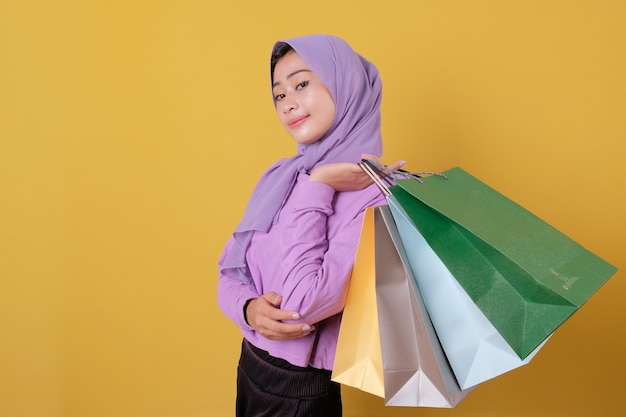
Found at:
(265, 316)
(397, 164)
(283, 331)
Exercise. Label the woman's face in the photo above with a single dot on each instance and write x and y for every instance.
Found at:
(303, 103)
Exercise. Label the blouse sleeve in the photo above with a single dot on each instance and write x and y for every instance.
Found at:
(233, 294)
(316, 266)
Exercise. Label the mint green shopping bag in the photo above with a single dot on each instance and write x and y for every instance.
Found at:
(523, 274)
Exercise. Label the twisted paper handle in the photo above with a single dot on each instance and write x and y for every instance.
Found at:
(380, 174)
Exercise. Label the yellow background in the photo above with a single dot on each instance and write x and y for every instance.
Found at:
(132, 133)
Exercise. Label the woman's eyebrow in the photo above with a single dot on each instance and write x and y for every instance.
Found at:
(277, 83)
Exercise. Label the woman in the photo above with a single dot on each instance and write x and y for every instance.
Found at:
(284, 273)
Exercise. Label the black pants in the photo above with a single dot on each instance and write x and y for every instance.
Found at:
(272, 387)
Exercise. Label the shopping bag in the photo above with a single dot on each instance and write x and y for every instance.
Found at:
(358, 359)
(387, 345)
(474, 348)
(416, 371)
(523, 274)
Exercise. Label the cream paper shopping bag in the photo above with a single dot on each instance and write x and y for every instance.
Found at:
(358, 359)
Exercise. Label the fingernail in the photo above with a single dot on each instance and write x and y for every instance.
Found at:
(402, 163)
(295, 316)
(306, 328)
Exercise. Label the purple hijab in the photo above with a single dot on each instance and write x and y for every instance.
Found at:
(356, 88)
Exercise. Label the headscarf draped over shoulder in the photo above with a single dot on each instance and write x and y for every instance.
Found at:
(356, 88)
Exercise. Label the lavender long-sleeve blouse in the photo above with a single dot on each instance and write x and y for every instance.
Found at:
(306, 257)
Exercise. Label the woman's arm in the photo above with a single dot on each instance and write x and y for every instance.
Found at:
(242, 304)
(232, 293)
(317, 259)
(315, 269)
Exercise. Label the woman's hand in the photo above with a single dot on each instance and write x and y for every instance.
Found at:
(266, 317)
(342, 176)
(346, 176)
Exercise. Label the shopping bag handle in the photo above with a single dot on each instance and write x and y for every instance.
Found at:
(379, 173)
(376, 174)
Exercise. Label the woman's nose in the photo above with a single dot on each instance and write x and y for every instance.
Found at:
(289, 104)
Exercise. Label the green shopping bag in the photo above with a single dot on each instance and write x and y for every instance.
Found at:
(523, 274)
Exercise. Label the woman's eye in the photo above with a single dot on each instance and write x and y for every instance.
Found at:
(302, 85)
(278, 97)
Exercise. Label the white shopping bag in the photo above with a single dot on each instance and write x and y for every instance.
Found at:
(416, 371)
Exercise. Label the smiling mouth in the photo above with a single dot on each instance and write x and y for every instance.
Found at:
(297, 122)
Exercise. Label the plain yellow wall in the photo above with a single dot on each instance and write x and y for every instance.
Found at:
(132, 132)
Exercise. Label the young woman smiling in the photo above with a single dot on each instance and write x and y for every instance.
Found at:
(284, 273)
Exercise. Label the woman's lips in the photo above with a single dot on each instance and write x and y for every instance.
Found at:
(297, 121)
